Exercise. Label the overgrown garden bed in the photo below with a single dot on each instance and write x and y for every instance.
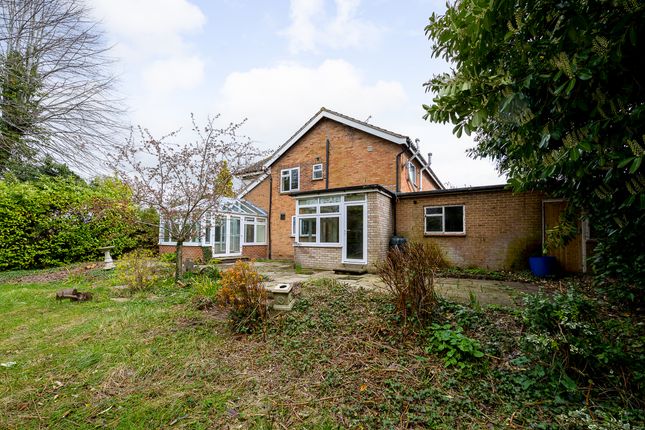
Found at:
(340, 359)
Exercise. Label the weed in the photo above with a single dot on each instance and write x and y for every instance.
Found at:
(168, 257)
(139, 270)
(205, 286)
(457, 348)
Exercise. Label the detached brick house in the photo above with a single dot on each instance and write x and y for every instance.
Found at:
(333, 195)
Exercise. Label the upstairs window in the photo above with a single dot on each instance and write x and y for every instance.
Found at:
(444, 220)
(317, 172)
(290, 179)
(412, 173)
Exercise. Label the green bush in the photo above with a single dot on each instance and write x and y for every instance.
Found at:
(168, 257)
(457, 348)
(55, 221)
(588, 340)
(212, 271)
(206, 286)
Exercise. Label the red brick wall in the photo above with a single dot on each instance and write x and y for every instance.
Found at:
(355, 158)
(196, 253)
(259, 195)
(255, 251)
(405, 185)
(502, 228)
(193, 253)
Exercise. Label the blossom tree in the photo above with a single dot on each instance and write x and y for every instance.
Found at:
(183, 182)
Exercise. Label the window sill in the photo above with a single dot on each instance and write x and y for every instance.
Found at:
(254, 244)
(446, 234)
(316, 245)
(317, 179)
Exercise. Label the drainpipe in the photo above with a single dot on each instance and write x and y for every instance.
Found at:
(270, 244)
(327, 164)
(398, 188)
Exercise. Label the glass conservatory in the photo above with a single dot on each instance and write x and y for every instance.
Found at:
(236, 223)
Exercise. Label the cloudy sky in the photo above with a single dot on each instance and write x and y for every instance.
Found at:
(276, 63)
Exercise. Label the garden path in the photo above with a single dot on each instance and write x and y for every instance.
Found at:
(487, 292)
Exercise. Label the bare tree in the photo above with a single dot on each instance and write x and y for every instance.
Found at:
(183, 181)
(56, 87)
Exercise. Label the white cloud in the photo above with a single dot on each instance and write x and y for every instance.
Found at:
(149, 27)
(173, 73)
(155, 42)
(311, 28)
(278, 100)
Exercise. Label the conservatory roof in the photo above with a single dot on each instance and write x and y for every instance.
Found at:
(239, 206)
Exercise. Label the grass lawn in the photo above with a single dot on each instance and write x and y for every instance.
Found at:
(338, 360)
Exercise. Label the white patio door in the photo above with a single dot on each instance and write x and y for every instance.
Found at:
(227, 240)
(219, 240)
(355, 233)
(234, 236)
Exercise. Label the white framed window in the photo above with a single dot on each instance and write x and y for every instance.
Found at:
(290, 179)
(444, 219)
(412, 173)
(318, 220)
(317, 171)
(294, 225)
(255, 231)
(167, 237)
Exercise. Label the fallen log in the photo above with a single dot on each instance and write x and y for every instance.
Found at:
(73, 295)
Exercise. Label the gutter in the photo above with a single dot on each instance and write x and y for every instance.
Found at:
(465, 190)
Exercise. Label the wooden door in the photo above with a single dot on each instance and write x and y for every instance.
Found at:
(569, 256)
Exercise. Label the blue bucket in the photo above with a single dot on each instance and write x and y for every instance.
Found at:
(543, 266)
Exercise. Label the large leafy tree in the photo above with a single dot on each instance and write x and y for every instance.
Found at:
(554, 91)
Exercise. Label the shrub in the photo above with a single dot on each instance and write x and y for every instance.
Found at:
(585, 338)
(211, 271)
(206, 286)
(139, 270)
(409, 272)
(243, 292)
(55, 221)
(168, 257)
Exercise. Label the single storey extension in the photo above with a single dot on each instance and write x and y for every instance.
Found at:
(335, 193)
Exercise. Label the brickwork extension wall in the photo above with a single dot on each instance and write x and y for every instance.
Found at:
(379, 231)
(502, 228)
(193, 253)
(255, 251)
(380, 227)
(196, 254)
(325, 258)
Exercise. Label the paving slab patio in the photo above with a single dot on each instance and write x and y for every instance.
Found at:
(487, 292)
